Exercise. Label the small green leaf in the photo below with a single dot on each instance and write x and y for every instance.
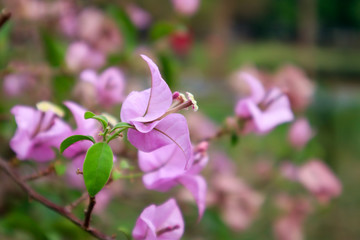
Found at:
(103, 120)
(121, 125)
(73, 139)
(60, 168)
(89, 114)
(97, 167)
(161, 29)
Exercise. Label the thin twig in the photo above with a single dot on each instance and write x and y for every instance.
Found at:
(40, 174)
(88, 212)
(72, 205)
(4, 17)
(59, 209)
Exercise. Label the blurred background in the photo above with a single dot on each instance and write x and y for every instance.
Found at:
(198, 52)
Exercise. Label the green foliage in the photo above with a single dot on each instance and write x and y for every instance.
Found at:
(73, 139)
(102, 119)
(121, 125)
(161, 29)
(62, 86)
(97, 167)
(126, 26)
(53, 48)
(169, 69)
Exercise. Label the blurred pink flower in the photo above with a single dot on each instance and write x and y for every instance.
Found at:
(80, 56)
(164, 170)
(17, 83)
(294, 82)
(163, 222)
(289, 171)
(138, 16)
(319, 180)
(109, 85)
(262, 110)
(38, 132)
(239, 203)
(153, 114)
(186, 7)
(300, 133)
(200, 126)
(99, 31)
(290, 225)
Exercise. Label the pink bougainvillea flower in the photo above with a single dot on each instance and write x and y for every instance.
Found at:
(319, 180)
(152, 112)
(238, 202)
(289, 226)
(100, 31)
(39, 130)
(300, 133)
(109, 85)
(263, 110)
(80, 56)
(316, 177)
(17, 83)
(298, 87)
(186, 7)
(164, 170)
(200, 126)
(162, 222)
(138, 16)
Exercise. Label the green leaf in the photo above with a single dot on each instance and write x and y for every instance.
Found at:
(60, 168)
(54, 50)
(62, 86)
(73, 139)
(126, 26)
(161, 29)
(121, 125)
(97, 167)
(103, 120)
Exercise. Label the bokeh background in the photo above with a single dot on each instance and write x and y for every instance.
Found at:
(322, 37)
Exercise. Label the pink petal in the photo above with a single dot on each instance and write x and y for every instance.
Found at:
(144, 228)
(197, 186)
(300, 133)
(165, 165)
(42, 153)
(134, 105)
(186, 7)
(89, 76)
(277, 113)
(171, 129)
(27, 118)
(169, 215)
(150, 107)
(84, 126)
(257, 89)
(110, 86)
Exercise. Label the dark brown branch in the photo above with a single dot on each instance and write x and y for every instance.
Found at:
(40, 174)
(4, 17)
(88, 212)
(61, 210)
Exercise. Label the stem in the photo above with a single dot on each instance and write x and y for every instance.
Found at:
(4, 17)
(88, 212)
(105, 133)
(40, 174)
(115, 135)
(72, 205)
(59, 209)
